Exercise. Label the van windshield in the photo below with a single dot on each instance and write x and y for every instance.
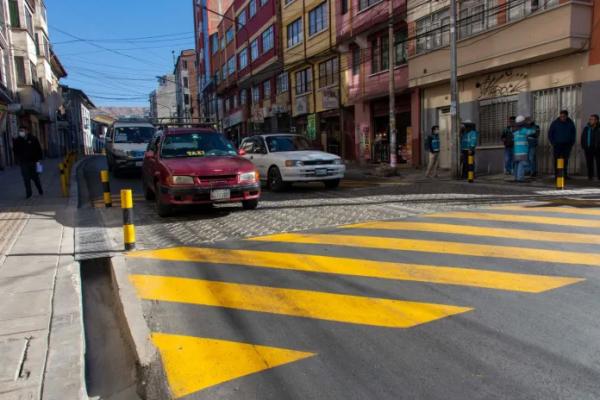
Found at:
(134, 134)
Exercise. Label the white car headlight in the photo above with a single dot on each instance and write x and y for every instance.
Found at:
(182, 180)
(338, 161)
(248, 176)
(293, 163)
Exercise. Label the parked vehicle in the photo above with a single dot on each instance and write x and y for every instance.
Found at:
(126, 142)
(282, 159)
(191, 166)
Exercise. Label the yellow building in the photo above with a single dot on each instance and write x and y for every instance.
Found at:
(309, 40)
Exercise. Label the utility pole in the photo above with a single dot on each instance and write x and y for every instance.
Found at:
(391, 59)
(454, 100)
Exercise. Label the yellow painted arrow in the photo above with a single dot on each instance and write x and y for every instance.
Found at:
(194, 363)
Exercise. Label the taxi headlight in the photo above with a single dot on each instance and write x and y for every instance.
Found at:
(182, 180)
(248, 176)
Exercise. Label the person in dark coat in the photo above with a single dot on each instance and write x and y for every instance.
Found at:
(562, 136)
(590, 142)
(28, 152)
(508, 141)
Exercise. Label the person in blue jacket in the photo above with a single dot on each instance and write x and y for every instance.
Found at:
(532, 138)
(562, 136)
(521, 148)
(468, 143)
(433, 146)
(590, 142)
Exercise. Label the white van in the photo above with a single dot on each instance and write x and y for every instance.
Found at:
(126, 143)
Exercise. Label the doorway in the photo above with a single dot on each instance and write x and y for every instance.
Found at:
(444, 124)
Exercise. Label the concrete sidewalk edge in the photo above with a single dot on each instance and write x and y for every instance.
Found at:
(152, 383)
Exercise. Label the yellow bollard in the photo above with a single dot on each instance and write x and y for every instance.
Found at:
(63, 179)
(128, 227)
(104, 178)
(471, 167)
(560, 174)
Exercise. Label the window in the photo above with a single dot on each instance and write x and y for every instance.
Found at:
(255, 95)
(231, 65)
(362, 4)
(243, 58)
(433, 31)
(493, 115)
(223, 43)
(229, 35)
(384, 61)
(29, 20)
(355, 60)
(43, 46)
(243, 97)
(282, 82)
(185, 65)
(344, 6)
(20, 68)
(288, 2)
(328, 73)
(375, 56)
(294, 33)
(267, 39)
(13, 6)
(303, 81)
(34, 77)
(263, 2)
(478, 15)
(186, 82)
(267, 89)
(252, 8)
(400, 48)
(186, 99)
(217, 76)
(254, 50)
(224, 71)
(241, 20)
(2, 21)
(317, 19)
(214, 39)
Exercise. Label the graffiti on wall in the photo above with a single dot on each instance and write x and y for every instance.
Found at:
(504, 83)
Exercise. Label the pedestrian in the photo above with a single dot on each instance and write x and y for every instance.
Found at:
(507, 140)
(433, 146)
(521, 148)
(590, 142)
(468, 144)
(28, 153)
(562, 138)
(532, 139)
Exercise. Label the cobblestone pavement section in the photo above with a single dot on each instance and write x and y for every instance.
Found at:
(301, 208)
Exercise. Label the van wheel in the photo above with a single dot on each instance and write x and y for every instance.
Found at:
(274, 180)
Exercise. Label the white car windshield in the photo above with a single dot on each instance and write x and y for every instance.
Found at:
(196, 145)
(287, 143)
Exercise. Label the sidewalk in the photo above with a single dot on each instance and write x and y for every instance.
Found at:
(41, 330)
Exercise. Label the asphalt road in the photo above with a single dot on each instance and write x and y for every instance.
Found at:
(489, 303)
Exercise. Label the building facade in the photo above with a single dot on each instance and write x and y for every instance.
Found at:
(76, 122)
(163, 100)
(8, 122)
(186, 86)
(514, 57)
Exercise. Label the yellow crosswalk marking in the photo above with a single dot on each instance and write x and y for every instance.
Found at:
(292, 302)
(193, 364)
(469, 230)
(565, 210)
(439, 247)
(366, 268)
(584, 223)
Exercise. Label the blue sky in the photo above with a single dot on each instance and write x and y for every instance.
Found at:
(145, 32)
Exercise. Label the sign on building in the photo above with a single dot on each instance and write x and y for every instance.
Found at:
(311, 126)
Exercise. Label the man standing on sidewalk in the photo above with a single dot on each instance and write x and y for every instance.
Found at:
(28, 153)
(468, 144)
(562, 137)
(532, 138)
(590, 142)
(433, 146)
(507, 140)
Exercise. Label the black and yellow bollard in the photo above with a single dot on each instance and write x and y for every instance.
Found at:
(104, 177)
(128, 227)
(471, 167)
(560, 173)
(63, 179)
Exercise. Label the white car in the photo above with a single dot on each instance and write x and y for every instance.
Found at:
(282, 159)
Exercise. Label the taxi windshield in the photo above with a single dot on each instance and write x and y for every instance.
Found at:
(196, 145)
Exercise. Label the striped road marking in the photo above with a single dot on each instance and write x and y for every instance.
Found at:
(469, 230)
(565, 210)
(439, 247)
(584, 223)
(292, 302)
(365, 268)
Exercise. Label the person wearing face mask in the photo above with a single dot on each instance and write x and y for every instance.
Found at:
(433, 146)
(28, 152)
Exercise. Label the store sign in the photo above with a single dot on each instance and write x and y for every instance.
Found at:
(330, 98)
(301, 105)
(311, 126)
(258, 115)
(233, 119)
(504, 83)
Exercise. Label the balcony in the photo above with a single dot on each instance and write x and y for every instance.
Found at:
(543, 35)
(30, 99)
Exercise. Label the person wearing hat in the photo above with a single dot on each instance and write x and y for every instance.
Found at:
(468, 143)
(521, 149)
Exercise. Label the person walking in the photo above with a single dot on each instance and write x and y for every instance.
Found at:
(562, 136)
(590, 142)
(28, 152)
(521, 148)
(532, 139)
(507, 140)
(468, 144)
(433, 146)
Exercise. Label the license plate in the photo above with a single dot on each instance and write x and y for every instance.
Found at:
(321, 172)
(220, 194)
(138, 163)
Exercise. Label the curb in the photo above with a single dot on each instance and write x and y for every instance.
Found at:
(151, 382)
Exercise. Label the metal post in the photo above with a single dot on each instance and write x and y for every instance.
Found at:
(391, 59)
(128, 227)
(454, 98)
(104, 178)
(471, 167)
(560, 174)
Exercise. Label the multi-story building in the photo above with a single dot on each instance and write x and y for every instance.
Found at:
(7, 89)
(163, 100)
(363, 42)
(186, 85)
(514, 57)
(77, 120)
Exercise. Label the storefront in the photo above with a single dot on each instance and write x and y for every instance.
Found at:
(380, 149)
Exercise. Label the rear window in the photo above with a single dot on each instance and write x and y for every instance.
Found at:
(134, 134)
(196, 145)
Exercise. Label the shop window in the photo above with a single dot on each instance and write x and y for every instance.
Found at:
(294, 33)
(493, 117)
(328, 72)
(303, 81)
(317, 19)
